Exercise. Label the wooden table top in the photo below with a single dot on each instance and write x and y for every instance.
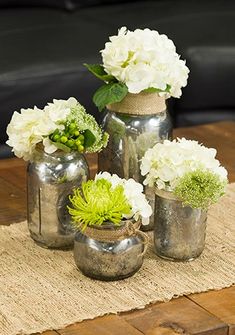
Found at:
(205, 313)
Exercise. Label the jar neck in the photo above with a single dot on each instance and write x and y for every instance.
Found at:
(166, 194)
(39, 154)
(111, 233)
(111, 226)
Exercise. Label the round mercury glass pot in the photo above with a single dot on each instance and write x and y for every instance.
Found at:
(179, 231)
(110, 252)
(134, 125)
(50, 179)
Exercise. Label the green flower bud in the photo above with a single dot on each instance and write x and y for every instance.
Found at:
(63, 139)
(70, 143)
(76, 133)
(81, 148)
(81, 138)
(56, 137)
(72, 126)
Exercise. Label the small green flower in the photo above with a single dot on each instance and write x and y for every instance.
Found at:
(97, 202)
(200, 188)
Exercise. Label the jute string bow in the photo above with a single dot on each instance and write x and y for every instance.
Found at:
(111, 233)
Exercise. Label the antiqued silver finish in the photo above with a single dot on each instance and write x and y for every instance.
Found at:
(50, 179)
(179, 232)
(130, 137)
(112, 260)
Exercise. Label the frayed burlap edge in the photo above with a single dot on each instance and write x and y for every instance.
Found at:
(139, 104)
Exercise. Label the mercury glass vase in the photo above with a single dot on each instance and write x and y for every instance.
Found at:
(134, 125)
(50, 180)
(104, 254)
(179, 231)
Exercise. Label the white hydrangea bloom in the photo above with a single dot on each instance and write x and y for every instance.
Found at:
(29, 127)
(113, 179)
(145, 59)
(166, 162)
(59, 109)
(134, 194)
(55, 113)
(49, 147)
(23, 131)
(32, 126)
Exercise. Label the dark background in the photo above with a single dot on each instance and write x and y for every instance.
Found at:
(44, 43)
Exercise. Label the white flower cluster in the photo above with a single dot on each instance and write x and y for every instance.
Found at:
(32, 126)
(166, 162)
(56, 113)
(134, 194)
(145, 59)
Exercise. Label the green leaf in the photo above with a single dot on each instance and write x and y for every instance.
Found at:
(99, 72)
(108, 94)
(61, 146)
(89, 138)
(154, 90)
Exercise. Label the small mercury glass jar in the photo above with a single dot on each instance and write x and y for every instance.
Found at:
(50, 179)
(179, 231)
(109, 252)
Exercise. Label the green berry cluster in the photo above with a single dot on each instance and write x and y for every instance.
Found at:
(70, 137)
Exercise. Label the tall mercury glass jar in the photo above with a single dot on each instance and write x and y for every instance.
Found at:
(50, 180)
(134, 125)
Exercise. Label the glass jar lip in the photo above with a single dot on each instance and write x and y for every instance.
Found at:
(39, 150)
(166, 194)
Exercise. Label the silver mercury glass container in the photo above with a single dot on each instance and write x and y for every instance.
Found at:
(50, 179)
(135, 124)
(106, 259)
(179, 231)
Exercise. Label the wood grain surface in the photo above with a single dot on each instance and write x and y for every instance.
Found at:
(202, 314)
(177, 316)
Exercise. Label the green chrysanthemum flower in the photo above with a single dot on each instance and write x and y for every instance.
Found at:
(200, 189)
(97, 202)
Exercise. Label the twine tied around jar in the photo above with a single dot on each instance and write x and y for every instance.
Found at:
(111, 233)
(139, 104)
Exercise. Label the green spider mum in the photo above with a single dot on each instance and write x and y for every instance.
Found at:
(200, 189)
(97, 202)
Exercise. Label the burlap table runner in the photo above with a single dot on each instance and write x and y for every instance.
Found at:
(42, 289)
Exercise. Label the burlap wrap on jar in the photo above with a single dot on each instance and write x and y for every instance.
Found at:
(139, 104)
